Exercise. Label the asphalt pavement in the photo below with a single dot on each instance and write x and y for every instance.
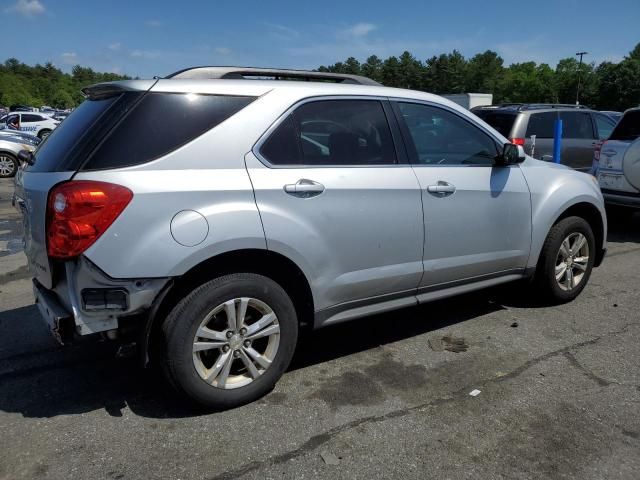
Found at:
(381, 397)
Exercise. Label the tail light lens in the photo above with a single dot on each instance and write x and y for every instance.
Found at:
(518, 141)
(596, 151)
(79, 212)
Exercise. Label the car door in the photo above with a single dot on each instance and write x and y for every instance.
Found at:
(336, 198)
(578, 140)
(477, 215)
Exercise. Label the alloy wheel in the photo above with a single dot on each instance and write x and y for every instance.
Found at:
(7, 166)
(572, 261)
(236, 343)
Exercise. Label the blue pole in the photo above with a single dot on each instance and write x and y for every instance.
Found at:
(557, 140)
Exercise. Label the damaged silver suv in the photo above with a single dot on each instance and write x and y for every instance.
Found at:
(214, 214)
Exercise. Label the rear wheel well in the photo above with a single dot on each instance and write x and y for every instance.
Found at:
(263, 262)
(593, 217)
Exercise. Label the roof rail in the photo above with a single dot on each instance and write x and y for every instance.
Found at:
(529, 106)
(535, 106)
(209, 73)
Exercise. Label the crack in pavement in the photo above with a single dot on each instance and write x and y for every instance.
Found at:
(588, 373)
(318, 440)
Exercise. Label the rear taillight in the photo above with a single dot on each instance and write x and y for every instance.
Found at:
(79, 212)
(518, 141)
(597, 150)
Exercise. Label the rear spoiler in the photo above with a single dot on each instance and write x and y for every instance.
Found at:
(100, 91)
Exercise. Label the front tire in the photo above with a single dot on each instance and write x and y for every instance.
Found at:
(229, 341)
(566, 260)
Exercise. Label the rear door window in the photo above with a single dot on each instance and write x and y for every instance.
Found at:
(332, 132)
(577, 125)
(628, 128)
(541, 124)
(27, 117)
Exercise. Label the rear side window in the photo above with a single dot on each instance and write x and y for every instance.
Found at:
(628, 128)
(604, 124)
(161, 123)
(26, 117)
(502, 122)
(332, 132)
(62, 148)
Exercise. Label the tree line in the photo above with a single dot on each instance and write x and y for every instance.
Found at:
(46, 85)
(607, 86)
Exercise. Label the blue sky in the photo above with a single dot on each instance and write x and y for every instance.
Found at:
(146, 38)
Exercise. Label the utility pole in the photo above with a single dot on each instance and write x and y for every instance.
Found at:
(579, 54)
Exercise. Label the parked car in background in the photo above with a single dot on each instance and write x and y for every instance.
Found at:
(618, 164)
(10, 146)
(21, 136)
(582, 129)
(37, 123)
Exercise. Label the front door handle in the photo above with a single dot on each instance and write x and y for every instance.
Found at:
(304, 188)
(442, 189)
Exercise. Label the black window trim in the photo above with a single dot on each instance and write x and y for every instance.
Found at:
(398, 144)
(406, 135)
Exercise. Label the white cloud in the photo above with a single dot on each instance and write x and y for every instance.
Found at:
(281, 32)
(28, 8)
(69, 58)
(153, 23)
(222, 51)
(147, 54)
(115, 46)
(359, 30)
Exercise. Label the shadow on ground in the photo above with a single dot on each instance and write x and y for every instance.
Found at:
(50, 380)
(39, 379)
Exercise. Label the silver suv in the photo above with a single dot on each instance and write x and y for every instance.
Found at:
(215, 214)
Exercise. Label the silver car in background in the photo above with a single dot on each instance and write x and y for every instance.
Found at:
(11, 143)
(212, 216)
(618, 164)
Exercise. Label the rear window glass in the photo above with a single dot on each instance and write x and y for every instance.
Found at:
(576, 125)
(57, 153)
(628, 129)
(502, 122)
(161, 123)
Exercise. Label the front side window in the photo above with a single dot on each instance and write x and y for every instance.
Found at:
(26, 117)
(440, 137)
(332, 132)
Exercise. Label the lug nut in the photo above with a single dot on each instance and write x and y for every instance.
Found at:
(236, 353)
(229, 334)
(243, 331)
(247, 343)
(226, 348)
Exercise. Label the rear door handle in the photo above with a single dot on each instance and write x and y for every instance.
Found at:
(304, 188)
(441, 189)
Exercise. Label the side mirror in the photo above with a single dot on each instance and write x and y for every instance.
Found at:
(25, 156)
(511, 154)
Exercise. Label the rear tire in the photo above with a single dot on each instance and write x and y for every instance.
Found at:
(566, 260)
(241, 314)
(8, 165)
